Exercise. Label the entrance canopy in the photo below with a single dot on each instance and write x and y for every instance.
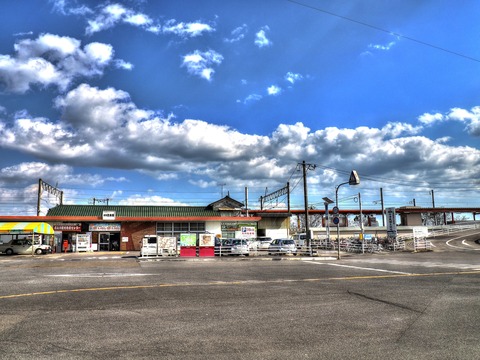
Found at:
(26, 227)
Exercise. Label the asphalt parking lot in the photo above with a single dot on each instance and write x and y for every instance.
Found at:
(373, 306)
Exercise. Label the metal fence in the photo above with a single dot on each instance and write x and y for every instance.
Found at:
(325, 247)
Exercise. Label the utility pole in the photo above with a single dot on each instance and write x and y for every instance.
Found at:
(246, 199)
(383, 207)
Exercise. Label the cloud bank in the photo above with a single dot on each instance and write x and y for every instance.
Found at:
(138, 139)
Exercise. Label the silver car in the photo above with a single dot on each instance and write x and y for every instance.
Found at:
(282, 246)
(264, 242)
(239, 247)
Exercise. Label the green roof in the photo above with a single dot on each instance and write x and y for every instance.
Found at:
(135, 211)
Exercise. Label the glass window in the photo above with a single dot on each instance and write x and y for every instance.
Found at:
(5, 238)
(164, 227)
(180, 227)
(228, 234)
(173, 229)
(197, 227)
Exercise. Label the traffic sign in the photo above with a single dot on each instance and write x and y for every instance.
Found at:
(336, 220)
(335, 210)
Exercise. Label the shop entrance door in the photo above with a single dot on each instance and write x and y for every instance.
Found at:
(104, 242)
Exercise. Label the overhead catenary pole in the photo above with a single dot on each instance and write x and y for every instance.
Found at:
(306, 167)
(433, 206)
(39, 196)
(383, 206)
(305, 195)
(288, 208)
(43, 186)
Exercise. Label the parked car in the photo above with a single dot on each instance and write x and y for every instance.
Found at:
(263, 242)
(24, 247)
(223, 247)
(233, 247)
(239, 247)
(282, 246)
(252, 244)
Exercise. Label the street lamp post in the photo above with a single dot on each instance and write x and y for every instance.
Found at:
(354, 180)
(327, 201)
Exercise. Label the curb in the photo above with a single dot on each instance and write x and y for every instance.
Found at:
(230, 259)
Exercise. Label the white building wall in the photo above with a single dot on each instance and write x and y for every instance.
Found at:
(213, 227)
(277, 233)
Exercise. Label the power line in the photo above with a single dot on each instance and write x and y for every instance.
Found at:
(384, 30)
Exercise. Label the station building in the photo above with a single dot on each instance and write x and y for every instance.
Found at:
(121, 228)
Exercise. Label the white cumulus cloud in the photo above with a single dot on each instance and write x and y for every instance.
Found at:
(182, 29)
(274, 90)
(201, 63)
(52, 60)
(261, 39)
(293, 77)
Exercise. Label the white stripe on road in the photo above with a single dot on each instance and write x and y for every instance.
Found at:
(465, 243)
(360, 268)
(458, 247)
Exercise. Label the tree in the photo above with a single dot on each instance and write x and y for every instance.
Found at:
(430, 219)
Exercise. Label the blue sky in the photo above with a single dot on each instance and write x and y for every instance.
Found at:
(173, 102)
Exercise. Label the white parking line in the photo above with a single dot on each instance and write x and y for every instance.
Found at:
(98, 275)
(361, 268)
(465, 243)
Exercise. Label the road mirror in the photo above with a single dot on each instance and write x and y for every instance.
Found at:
(354, 179)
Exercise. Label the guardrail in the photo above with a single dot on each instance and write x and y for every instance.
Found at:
(451, 229)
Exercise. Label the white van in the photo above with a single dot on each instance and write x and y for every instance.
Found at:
(24, 247)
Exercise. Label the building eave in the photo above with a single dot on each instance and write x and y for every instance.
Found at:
(127, 219)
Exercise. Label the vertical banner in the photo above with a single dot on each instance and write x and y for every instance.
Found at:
(391, 222)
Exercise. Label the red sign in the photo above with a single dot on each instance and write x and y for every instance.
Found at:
(68, 227)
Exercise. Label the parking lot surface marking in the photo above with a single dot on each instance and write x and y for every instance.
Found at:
(361, 268)
(239, 282)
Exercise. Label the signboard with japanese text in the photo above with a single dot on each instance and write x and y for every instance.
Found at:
(108, 215)
(391, 222)
(105, 227)
(72, 227)
(248, 231)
